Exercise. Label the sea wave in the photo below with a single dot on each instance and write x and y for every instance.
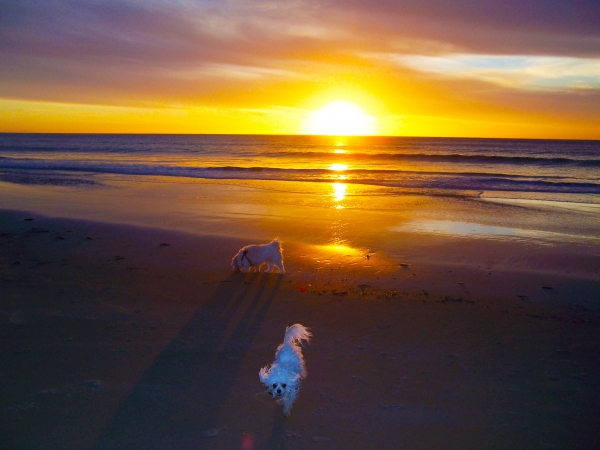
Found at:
(517, 153)
(586, 161)
(429, 163)
(445, 158)
(467, 180)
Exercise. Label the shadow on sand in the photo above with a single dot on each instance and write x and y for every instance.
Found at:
(181, 395)
(276, 439)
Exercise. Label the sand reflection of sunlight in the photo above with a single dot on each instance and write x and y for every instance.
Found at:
(342, 249)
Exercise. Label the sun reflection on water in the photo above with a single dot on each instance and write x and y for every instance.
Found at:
(338, 167)
(339, 191)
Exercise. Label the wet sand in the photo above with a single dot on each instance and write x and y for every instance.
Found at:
(123, 336)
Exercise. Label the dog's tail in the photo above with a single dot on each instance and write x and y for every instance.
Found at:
(296, 334)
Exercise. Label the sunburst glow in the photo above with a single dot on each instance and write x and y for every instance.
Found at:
(340, 118)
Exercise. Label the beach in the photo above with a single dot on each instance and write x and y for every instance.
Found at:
(427, 172)
(437, 321)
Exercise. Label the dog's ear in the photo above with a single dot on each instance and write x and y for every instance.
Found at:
(264, 375)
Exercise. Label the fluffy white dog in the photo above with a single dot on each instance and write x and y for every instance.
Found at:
(254, 256)
(282, 378)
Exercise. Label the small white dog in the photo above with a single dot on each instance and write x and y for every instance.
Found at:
(255, 256)
(282, 378)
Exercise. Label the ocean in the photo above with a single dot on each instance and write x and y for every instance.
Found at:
(554, 168)
(479, 200)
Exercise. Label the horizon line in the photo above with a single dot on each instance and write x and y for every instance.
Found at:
(295, 135)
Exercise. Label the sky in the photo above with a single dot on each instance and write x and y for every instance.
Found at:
(515, 69)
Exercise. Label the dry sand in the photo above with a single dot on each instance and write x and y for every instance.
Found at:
(124, 337)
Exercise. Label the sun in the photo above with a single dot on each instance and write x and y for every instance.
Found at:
(340, 118)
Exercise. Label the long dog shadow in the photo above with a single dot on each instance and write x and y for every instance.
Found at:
(276, 439)
(182, 393)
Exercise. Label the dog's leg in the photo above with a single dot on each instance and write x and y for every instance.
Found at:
(269, 267)
(279, 264)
